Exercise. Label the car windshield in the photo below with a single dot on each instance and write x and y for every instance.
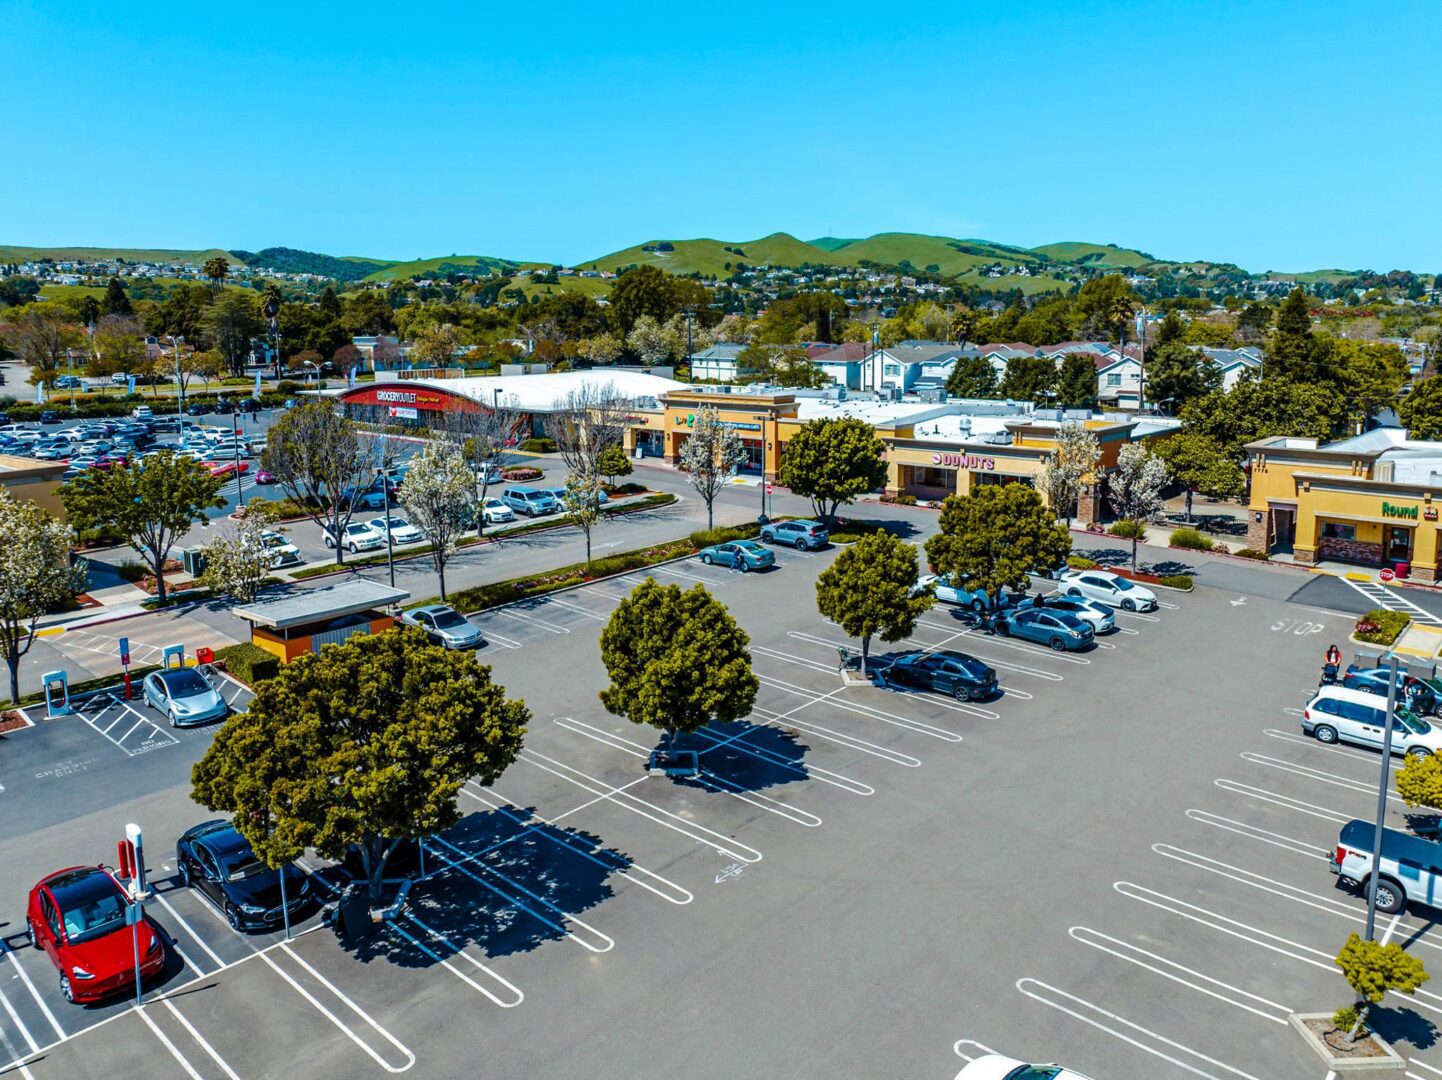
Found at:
(240, 864)
(1034, 1072)
(357, 529)
(399, 523)
(183, 684)
(1415, 723)
(750, 546)
(1123, 584)
(446, 619)
(91, 905)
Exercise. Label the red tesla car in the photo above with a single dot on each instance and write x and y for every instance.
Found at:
(78, 917)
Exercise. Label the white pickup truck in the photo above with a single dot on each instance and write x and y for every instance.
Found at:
(1410, 870)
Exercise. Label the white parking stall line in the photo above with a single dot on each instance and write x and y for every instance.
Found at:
(1178, 973)
(199, 1039)
(617, 863)
(1297, 847)
(840, 738)
(1292, 893)
(163, 902)
(981, 1049)
(504, 642)
(1364, 757)
(34, 993)
(1253, 935)
(671, 571)
(1019, 646)
(1126, 630)
(733, 849)
(1424, 1065)
(1110, 1023)
(866, 710)
(776, 654)
(606, 942)
(1358, 786)
(1008, 665)
(737, 743)
(410, 1058)
(531, 619)
(516, 998)
(165, 1042)
(14, 1051)
(1284, 801)
(714, 781)
(576, 608)
(1169, 606)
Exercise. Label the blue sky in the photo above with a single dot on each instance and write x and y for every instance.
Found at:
(1280, 136)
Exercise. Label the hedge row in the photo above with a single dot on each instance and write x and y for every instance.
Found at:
(504, 592)
(249, 663)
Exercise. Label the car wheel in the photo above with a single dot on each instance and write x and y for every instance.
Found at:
(329, 542)
(184, 870)
(961, 693)
(1129, 605)
(171, 717)
(977, 606)
(1390, 897)
(1057, 644)
(65, 991)
(1418, 752)
(1325, 733)
(1073, 592)
(741, 566)
(1003, 628)
(768, 538)
(232, 916)
(707, 559)
(802, 545)
(351, 547)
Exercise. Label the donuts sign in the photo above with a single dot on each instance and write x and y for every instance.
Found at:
(964, 461)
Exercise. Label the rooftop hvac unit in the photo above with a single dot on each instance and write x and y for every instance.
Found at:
(999, 438)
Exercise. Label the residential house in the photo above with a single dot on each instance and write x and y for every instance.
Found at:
(901, 365)
(1119, 382)
(1234, 362)
(719, 363)
(843, 364)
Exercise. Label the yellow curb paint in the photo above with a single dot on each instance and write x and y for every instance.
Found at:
(1352, 575)
(53, 631)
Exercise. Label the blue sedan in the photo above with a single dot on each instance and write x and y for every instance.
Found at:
(1057, 630)
(742, 555)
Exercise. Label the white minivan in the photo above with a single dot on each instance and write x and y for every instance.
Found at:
(1337, 714)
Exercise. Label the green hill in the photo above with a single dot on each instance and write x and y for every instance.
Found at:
(1094, 254)
(709, 258)
(951, 257)
(831, 243)
(294, 261)
(13, 253)
(465, 264)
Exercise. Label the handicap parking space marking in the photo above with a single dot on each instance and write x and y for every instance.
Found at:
(1309, 773)
(725, 845)
(1111, 1024)
(1179, 973)
(619, 864)
(1286, 802)
(115, 715)
(713, 781)
(590, 939)
(14, 1052)
(1253, 832)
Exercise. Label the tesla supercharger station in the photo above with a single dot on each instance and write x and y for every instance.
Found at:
(132, 868)
(172, 656)
(57, 693)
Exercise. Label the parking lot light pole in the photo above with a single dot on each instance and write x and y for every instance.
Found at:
(386, 502)
(1382, 798)
(284, 906)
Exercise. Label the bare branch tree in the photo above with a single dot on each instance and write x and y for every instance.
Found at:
(482, 438)
(591, 418)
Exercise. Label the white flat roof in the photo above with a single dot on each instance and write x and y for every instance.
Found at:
(547, 393)
(882, 414)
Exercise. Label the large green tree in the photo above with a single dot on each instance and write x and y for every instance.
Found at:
(1373, 374)
(646, 290)
(365, 743)
(229, 324)
(972, 377)
(1201, 465)
(1261, 408)
(1105, 305)
(867, 591)
(676, 660)
(116, 301)
(1421, 410)
(1294, 352)
(152, 503)
(37, 575)
(1030, 378)
(993, 538)
(1177, 374)
(832, 461)
(1076, 385)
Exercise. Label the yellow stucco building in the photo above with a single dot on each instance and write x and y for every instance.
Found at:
(1371, 500)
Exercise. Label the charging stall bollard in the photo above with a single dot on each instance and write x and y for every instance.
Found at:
(57, 693)
(172, 656)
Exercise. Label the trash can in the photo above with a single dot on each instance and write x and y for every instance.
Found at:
(1402, 568)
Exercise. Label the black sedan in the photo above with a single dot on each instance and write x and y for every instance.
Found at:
(963, 677)
(200, 408)
(217, 862)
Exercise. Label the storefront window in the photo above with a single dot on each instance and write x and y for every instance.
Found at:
(1333, 530)
(980, 478)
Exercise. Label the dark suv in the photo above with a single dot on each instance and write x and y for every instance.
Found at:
(802, 535)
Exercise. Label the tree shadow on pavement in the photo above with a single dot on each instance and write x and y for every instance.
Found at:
(502, 880)
(1402, 1025)
(744, 756)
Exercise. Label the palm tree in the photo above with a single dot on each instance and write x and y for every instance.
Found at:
(217, 269)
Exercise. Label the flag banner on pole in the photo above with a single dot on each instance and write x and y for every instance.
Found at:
(257, 386)
(40, 393)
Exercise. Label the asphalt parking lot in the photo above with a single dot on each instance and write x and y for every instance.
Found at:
(1118, 864)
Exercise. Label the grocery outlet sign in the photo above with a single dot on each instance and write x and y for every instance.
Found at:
(964, 461)
(406, 402)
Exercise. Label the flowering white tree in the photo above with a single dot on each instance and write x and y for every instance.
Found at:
(1077, 454)
(711, 455)
(1135, 488)
(237, 560)
(649, 341)
(436, 492)
(582, 500)
(35, 575)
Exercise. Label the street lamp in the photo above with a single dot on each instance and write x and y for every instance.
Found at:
(175, 340)
(1382, 796)
(386, 502)
(316, 370)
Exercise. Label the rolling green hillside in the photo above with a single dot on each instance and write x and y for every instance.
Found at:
(443, 265)
(11, 253)
(832, 243)
(709, 257)
(951, 257)
(1094, 254)
(294, 261)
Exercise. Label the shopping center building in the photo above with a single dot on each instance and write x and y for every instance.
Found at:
(1371, 500)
